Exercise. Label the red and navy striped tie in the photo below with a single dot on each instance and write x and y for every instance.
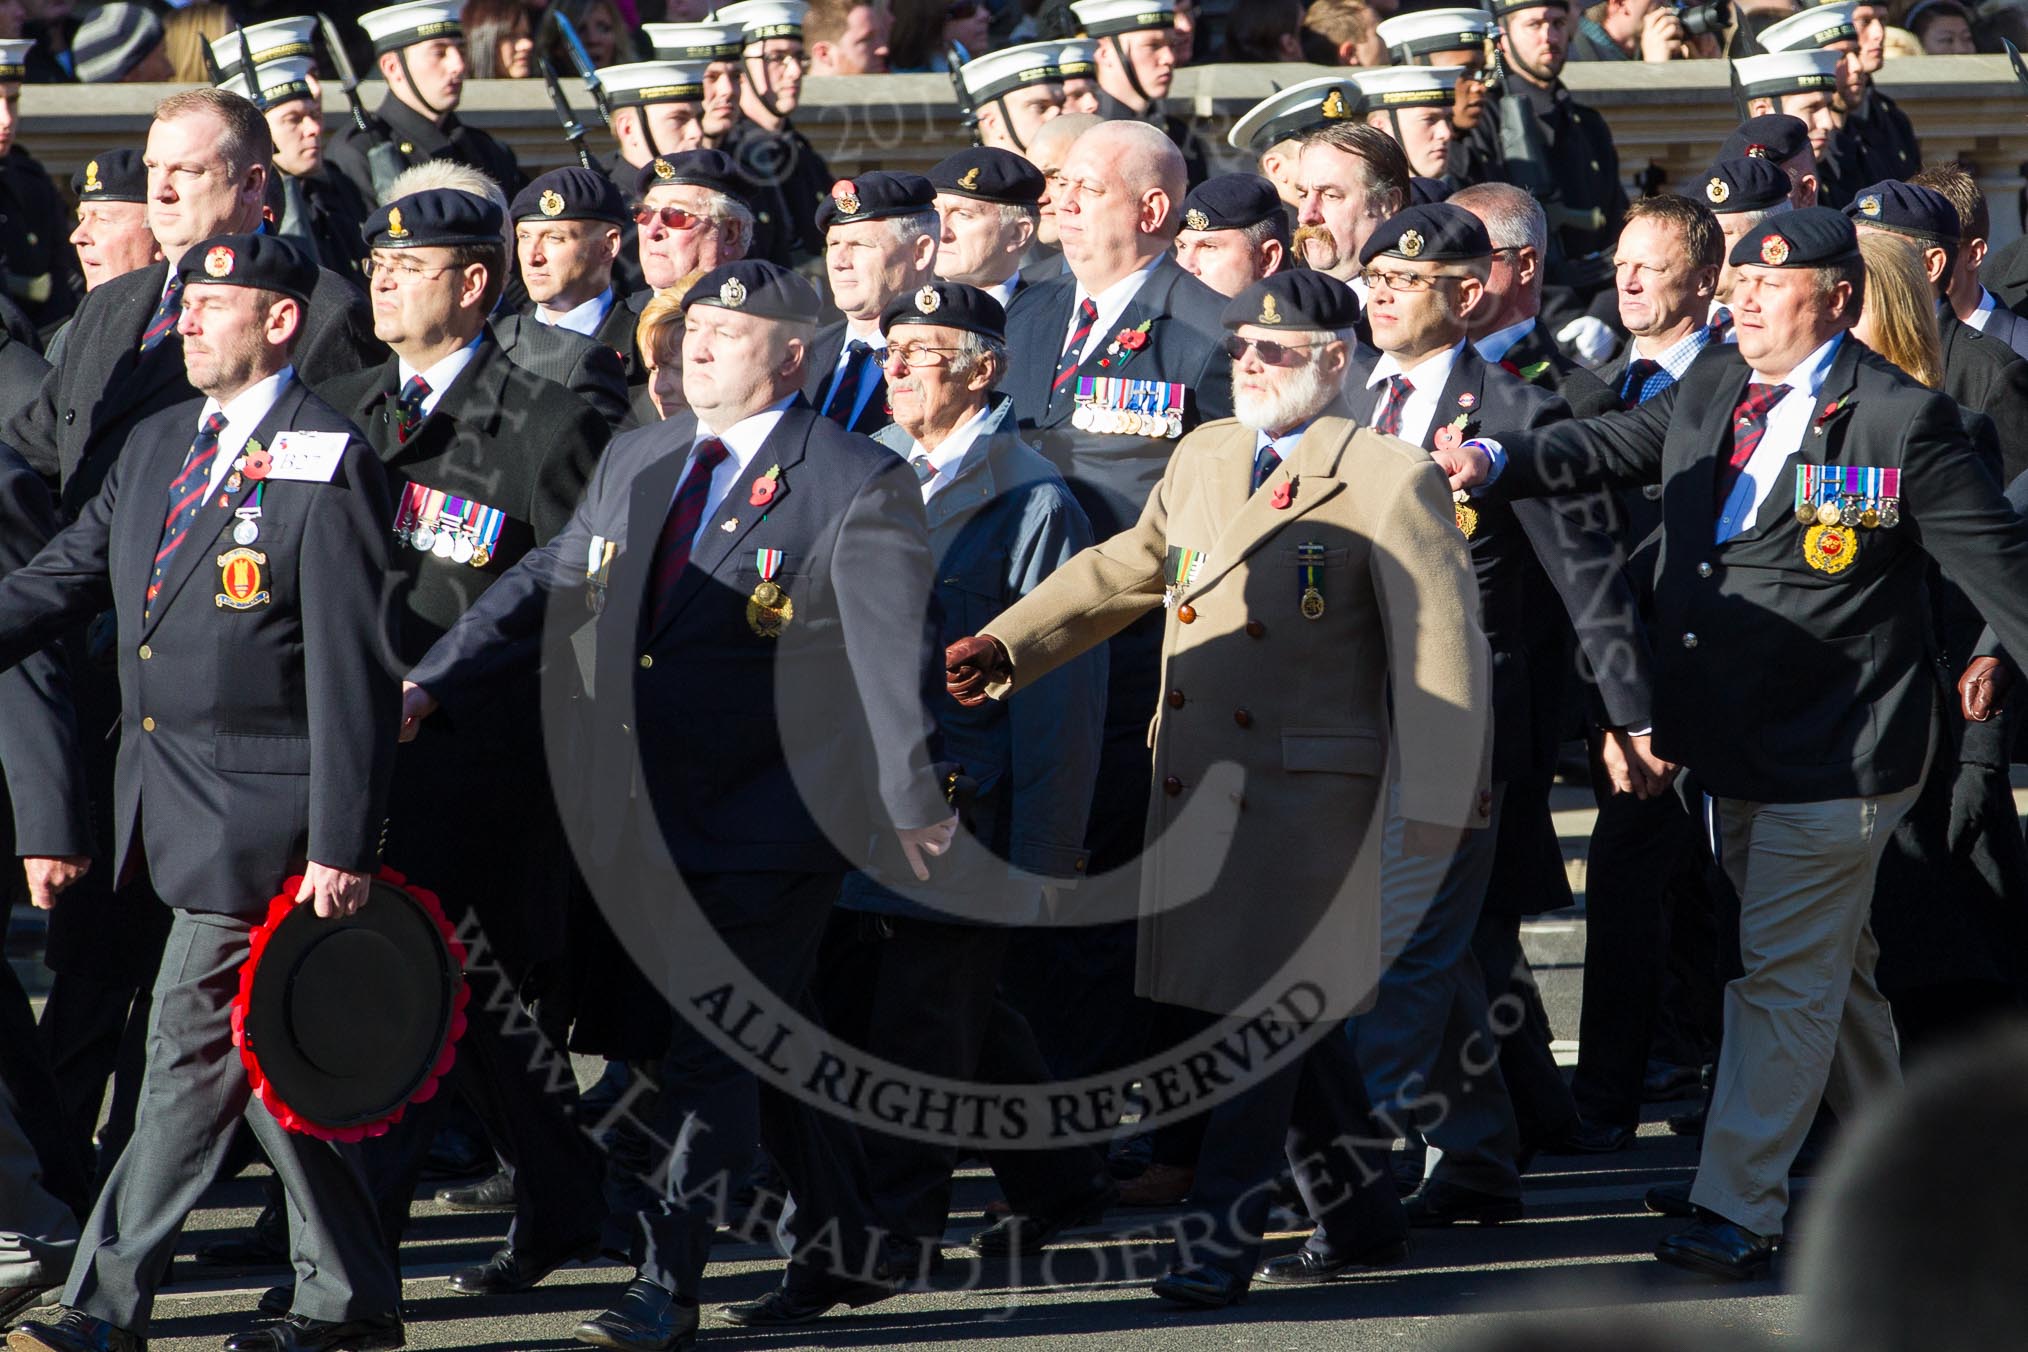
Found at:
(1389, 421)
(1066, 366)
(166, 314)
(186, 499)
(686, 514)
(1749, 425)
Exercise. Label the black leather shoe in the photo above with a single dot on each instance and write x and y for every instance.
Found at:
(1664, 1082)
(509, 1270)
(276, 1300)
(73, 1331)
(1305, 1267)
(1014, 1236)
(1715, 1247)
(300, 1333)
(1590, 1138)
(493, 1193)
(1670, 1199)
(1688, 1124)
(644, 1319)
(1436, 1204)
(812, 1301)
(1207, 1288)
(265, 1246)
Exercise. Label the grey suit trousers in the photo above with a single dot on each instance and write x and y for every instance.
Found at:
(192, 1093)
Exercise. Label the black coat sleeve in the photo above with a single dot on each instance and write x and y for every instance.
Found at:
(39, 750)
(1616, 450)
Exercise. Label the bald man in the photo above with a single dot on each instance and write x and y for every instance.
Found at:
(1047, 151)
(1125, 339)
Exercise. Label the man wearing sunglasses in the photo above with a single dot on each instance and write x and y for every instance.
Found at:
(692, 217)
(657, 111)
(1328, 552)
(1426, 272)
(766, 145)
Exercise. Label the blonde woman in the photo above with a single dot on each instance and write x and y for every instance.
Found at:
(1897, 318)
(659, 336)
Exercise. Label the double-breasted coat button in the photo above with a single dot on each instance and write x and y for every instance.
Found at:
(1704, 570)
(1254, 629)
(1172, 786)
(146, 652)
(1175, 699)
(147, 725)
(1186, 614)
(647, 660)
(1689, 640)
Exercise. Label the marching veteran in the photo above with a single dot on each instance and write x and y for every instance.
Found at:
(1289, 540)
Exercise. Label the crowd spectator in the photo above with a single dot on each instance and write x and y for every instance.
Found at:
(601, 27)
(1943, 27)
(1266, 30)
(120, 43)
(847, 37)
(499, 42)
(1341, 33)
(184, 33)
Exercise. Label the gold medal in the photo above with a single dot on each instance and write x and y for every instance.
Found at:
(768, 594)
(1312, 604)
(1830, 549)
(768, 618)
(1468, 519)
(1806, 515)
(1869, 518)
(1828, 514)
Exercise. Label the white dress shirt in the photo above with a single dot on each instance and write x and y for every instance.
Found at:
(949, 455)
(440, 375)
(872, 337)
(742, 444)
(1111, 303)
(1495, 346)
(1984, 312)
(584, 319)
(1428, 376)
(1787, 423)
(242, 416)
(1004, 291)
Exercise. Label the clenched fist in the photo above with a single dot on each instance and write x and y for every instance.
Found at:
(970, 665)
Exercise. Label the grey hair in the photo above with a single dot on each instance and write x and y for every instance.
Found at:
(724, 208)
(907, 229)
(1276, 226)
(973, 348)
(1013, 213)
(1513, 219)
(1749, 219)
(434, 174)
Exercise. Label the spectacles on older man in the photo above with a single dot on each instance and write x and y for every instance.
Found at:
(672, 218)
(1271, 352)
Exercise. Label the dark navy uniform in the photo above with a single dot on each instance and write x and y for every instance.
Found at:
(41, 271)
(783, 164)
(419, 139)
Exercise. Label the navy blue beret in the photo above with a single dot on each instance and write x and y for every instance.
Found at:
(115, 176)
(712, 169)
(1299, 299)
(571, 194)
(1231, 202)
(263, 262)
(1809, 237)
(1436, 233)
(1777, 136)
(875, 196)
(1745, 183)
(1906, 209)
(754, 286)
(435, 216)
(988, 174)
(951, 304)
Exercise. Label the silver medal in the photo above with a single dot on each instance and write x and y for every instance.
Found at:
(442, 546)
(245, 533)
(423, 538)
(461, 549)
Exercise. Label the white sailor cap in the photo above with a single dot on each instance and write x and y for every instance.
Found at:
(764, 19)
(1105, 18)
(1293, 111)
(14, 58)
(1405, 86)
(1819, 27)
(1798, 71)
(1077, 59)
(640, 83)
(696, 41)
(400, 26)
(279, 81)
(1010, 68)
(1408, 36)
(274, 40)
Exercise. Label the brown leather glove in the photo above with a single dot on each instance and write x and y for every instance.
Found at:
(970, 665)
(1983, 688)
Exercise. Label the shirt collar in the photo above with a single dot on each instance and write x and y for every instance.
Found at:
(1428, 375)
(442, 373)
(243, 415)
(1676, 358)
(584, 319)
(1495, 346)
(1988, 302)
(1808, 375)
(948, 457)
(744, 438)
(1114, 300)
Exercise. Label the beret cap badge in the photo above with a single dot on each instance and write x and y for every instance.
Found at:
(1194, 219)
(927, 300)
(1774, 251)
(732, 295)
(551, 203)
(91, 179)
(845, 196)
(1869, 206)
(1410, 243)
(1268, 313)
(969, 180)
(1717, 190)
(395, 229)
(218, 262)
(664, 169)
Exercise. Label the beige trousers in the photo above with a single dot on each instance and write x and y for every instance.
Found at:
(1805, 1023)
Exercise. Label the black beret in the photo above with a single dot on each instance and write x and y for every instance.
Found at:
(435, 216)
(754, 286)
(1810, 237)
(989, 174)
(1231, 202)
(1436, 233)
(713, 169)
(115, 176)
(1777, 136)
(873, 197)
(571, 194)
(1298, 299)
(263, 262)
(1906, 209)
(1423, 191)
(951, 304)
(1745, 183)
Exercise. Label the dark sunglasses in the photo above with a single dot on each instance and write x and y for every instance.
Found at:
(1271, 352)
(673, 218)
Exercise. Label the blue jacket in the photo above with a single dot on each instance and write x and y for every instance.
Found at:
(1004, 522)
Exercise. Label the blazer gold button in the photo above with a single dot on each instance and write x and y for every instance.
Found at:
(647, 660)
(146, 652)
(1689, 640)
(147, 725)
(1254, 629)
(1172, 786)
(1175, 699)
(1242, 717)
(1704, 570)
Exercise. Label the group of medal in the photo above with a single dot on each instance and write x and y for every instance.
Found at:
(1142, 408)
(1835, 502)
(459, 530)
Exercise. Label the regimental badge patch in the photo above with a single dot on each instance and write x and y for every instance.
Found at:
(239, 580)
(1716, 191)
(1774, 251)
(218, 262)
(551, 202)
(1194, 219)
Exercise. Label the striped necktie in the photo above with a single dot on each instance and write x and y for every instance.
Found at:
(408, 408)
(186, 499)
(1264, 461)
(1389, 421)
(686, 514)
(1073, 347)
(1749, 425)
(166, 314)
